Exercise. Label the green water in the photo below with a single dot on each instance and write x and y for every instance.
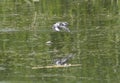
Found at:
(25, 29)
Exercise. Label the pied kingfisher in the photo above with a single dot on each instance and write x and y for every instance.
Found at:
(63, 61)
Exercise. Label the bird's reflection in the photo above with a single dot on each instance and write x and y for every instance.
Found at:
(59, 26)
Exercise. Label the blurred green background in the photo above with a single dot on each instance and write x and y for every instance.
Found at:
(25, 29)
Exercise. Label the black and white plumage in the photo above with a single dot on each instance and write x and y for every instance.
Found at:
(60, 26)
(63, 61)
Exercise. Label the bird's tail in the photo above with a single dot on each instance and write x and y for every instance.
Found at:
(70, 56)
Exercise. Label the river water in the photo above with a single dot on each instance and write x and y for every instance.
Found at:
(29, 46)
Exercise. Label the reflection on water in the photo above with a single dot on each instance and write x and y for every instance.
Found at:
(27, 40)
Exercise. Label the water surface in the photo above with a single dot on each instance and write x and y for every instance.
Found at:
(25, 30)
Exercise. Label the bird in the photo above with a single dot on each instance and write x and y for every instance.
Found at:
(63, 61)
(58, 26)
